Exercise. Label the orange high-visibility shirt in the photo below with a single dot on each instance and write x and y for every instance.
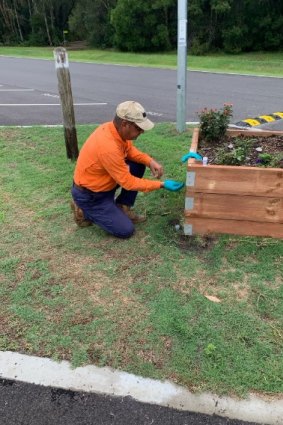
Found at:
(101, 163)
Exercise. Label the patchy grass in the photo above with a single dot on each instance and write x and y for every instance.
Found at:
(139, 304)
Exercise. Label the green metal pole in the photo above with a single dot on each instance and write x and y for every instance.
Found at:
(182, 66)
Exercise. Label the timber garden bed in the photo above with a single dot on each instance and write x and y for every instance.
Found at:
(232, 199)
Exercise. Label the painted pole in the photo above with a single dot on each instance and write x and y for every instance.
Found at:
(182, 66)
(65, 92)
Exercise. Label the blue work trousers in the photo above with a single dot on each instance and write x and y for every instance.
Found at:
(100, 207)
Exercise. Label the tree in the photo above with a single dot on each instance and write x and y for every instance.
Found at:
(144, 26)
(39, 22)
(148, 25)
(12, 31)
(48, 20)
(206, 20)
(90, 20)
(253, 25)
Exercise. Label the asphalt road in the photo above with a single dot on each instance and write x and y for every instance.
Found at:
(26, 404)
(29, 93)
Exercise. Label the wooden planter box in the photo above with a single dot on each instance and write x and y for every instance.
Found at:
(231, 199)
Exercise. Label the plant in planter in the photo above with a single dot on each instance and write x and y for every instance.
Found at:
(241, 189)
(214, 123)
(235, 153)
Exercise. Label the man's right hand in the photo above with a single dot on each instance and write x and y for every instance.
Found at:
(172, 185)
(156, 169)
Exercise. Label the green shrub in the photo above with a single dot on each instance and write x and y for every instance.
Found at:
(198, 48)
(214, 123)
(234, 39)
(268, 160)
(265, 158)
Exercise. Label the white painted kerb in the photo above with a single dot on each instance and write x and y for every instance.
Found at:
(43, 371)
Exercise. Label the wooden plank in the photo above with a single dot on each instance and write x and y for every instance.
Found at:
(194, 144)
(254, 133)
(236, 207)
(202, 226)
(237, 180)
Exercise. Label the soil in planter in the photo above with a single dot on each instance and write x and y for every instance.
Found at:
(243, 150)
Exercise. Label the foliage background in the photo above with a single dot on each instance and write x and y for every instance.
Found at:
(151, 25)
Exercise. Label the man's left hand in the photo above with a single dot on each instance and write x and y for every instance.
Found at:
(189, 155)
(156, 169)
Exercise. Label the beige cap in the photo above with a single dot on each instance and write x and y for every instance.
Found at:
(134, 112)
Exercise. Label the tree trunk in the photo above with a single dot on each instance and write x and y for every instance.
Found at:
(29, 9)
(35, 7)
(17, 21)
(47, 30)
(51, 11)
(10, 19)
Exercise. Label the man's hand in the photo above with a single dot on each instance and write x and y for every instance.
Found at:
(156, 169)
(172, 185)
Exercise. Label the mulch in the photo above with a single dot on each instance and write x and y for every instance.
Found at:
(270, 145)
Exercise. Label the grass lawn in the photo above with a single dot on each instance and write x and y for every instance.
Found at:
(140, 304)
(259, 63)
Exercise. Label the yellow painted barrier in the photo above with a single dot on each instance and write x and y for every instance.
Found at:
(279, 114)
(267, 118)
(252, 122)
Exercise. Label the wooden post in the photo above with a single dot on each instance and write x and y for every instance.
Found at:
(65, 92)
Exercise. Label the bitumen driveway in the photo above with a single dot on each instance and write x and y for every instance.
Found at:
(29, 92)
(28, 404)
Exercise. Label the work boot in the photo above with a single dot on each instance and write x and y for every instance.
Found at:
(135, 218)
(79, 215)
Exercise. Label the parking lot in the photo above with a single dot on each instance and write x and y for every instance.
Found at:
(29, 93)
(28, 106)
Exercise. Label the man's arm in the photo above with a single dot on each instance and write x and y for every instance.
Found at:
(119, 171)
(136, 155)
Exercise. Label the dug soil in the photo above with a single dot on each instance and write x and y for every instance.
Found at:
(272, 145)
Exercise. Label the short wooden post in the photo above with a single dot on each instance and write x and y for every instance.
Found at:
(65, 92)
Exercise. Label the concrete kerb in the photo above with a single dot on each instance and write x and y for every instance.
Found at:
(46, 372)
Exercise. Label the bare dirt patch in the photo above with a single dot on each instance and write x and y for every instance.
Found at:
(197, 244)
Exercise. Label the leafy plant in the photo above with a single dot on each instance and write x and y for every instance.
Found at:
(214, 123)
(277, 161)
(264, 158)
(268, 160)
(235, 154)
(235, 157)
(209, 349)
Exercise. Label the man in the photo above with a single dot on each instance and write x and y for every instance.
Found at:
(109, 160)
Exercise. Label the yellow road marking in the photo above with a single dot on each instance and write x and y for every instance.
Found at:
(267, 118)
(252, 122)
(280, 114)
